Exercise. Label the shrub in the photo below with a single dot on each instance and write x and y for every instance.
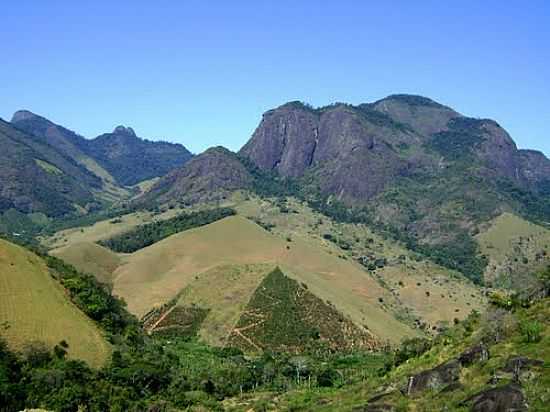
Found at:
(531, 331)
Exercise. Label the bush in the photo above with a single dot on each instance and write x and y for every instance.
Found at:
(531, 331)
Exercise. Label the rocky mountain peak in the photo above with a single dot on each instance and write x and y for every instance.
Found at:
(22, 115)
(128, 131)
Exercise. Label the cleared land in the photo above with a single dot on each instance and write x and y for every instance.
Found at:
(33, 307)
(153, 275)
(420, 292)
(515, 248)
(404, 287)
(225, 291)
(90, 258)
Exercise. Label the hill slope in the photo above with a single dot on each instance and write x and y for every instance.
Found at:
(35, 177)
(35, 308)
(119, 158)
(212, 175)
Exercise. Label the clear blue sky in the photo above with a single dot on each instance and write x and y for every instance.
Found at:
(202, 72)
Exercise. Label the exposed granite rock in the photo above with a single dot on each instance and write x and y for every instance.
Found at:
(355, 152)
(435, 379)
(285, 140)
(507, 398)
(128, 131)
(477, 353)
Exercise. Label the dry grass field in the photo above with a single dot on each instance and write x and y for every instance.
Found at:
(90, 258)
(515, 247)
(153, 275)
(225, 291)
(417, 292)
(33, 307)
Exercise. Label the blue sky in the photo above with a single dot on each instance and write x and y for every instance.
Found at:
(202, 72)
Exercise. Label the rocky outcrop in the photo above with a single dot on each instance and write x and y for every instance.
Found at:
(434, 379)
(356, 152)
(475, 354)
(285, 140)
(504, 399)
(128, 131)
(349, 151)
(534, 168)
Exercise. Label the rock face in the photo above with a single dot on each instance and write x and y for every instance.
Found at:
(341, 146)
(209, 176)
(355, 152)
(504, 399)
(285, 141)
(534, 168)
(478, 353)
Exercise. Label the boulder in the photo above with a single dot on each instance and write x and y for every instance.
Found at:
(477, 353)
(507, 398)
(435, 379)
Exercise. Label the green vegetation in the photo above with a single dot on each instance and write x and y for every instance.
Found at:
(463, 136)
(414, 100)
(93, 299)
(146, 235)
(283, 315)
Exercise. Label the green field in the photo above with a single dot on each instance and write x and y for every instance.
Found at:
(34, 307)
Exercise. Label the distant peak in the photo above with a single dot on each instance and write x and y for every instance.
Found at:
(413, 100)
(24, 115)
(124, 130)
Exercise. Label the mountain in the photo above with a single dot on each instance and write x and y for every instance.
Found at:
(35, 177)
(131, 159)
(209, 176)
(120, 158)
(355, 152)
(407, 165)
(418, 169)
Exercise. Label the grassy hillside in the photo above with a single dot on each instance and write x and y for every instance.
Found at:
(234, 286)
(420, 292)
(515, 248)
(446, 374)
(347, 264)
(154, 275)
(90, 258)
(34, 307)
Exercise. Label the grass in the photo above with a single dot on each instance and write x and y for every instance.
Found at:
(415, 292)
(90, 258)
(34, 307)
(104, 229)
(234, 286)
(417, 289)
(515, 248)
(48, 167)
(535, 383)
(154, 275)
